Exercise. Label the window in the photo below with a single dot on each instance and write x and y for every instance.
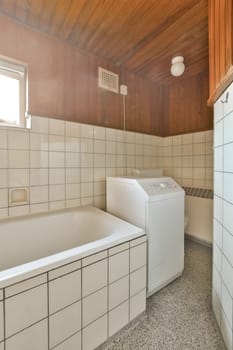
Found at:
(12, 93)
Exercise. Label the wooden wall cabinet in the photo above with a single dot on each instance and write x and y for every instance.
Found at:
(220, 47)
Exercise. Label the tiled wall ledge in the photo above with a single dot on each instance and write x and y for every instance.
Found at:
(64, 164)
(76, 306)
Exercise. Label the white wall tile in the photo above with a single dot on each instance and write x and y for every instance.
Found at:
(64, 323)
(56, 159)
(138, 257)
(228, 163)
(228, 127)
(18, 139)
(72, 160)
(18, 159)
(3, 138)
(38, 142)
(56, 127)
(64, 291)
(24, 285)
(56, 193)
(118, 266)
(218, 134)
(39, 177)
(38, 194)
(95, 334)
(87, 131)
(21, 210)
(217, 282)
(99, 133)
(217, 258)
(86, 145)
(56, 143)
(94, 306)
(137, 281)
(216, 307)
(56, 176)
(3, 159)
(228, 187)
(118, 292)
(227, 275)
(227, 216)
(3, 178)
(218, 232)
(36, 335)
(3, 198)
(118, 318)
(137, 304)
(73, 343)
(1, 322)
(226, 301)
(73, 144)
(218, 159)
(38, 159)
(72, 191)
(94, 277)
(226, 331)
(39, 124)
(99, 146)
(218, 183)
(227, 246)
(18, 177)
(24, 309)
(72, 129)
(218, 205)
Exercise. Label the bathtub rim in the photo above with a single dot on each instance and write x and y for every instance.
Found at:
(37, 267)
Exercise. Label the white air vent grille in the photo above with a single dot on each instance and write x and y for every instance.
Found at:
(108, 80)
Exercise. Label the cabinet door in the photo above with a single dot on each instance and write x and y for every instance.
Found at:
(220, 46)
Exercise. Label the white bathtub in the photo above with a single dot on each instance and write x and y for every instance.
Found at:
(34, 244)
(69, 280)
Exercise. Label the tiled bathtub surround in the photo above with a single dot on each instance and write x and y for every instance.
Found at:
(223, 215)
(64, 164)
(76, 306)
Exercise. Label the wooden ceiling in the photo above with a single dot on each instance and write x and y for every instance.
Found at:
(140, 35)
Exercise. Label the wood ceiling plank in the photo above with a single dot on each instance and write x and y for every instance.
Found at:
(21, 10)
(71, 18)
(169, 37)
(8, 7)
(58, 17)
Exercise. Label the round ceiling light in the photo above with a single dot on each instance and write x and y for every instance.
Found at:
(177, 67)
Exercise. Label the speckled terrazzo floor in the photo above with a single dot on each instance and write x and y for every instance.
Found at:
(179, 317)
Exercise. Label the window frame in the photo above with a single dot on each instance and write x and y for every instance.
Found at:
(18, 71)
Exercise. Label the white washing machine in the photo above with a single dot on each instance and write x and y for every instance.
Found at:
(157, 206)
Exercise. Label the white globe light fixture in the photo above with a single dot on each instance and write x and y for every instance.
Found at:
(177, 67)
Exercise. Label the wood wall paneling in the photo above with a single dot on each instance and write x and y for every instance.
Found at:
(220, 46)
(187, 108)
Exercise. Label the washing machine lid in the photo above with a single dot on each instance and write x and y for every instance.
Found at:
(160, 188)
(153, 189)
(141, 172)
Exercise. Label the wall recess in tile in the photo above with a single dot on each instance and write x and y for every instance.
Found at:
(18, 196)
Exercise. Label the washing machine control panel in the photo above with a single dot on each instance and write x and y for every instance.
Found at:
(159, 186)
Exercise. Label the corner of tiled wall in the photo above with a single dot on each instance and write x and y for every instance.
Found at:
(222, 293)
(189, 158)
